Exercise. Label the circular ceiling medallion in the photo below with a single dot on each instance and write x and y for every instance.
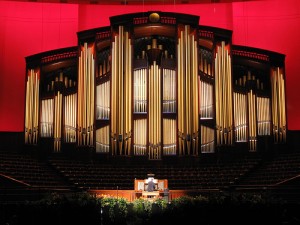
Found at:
(154, 17)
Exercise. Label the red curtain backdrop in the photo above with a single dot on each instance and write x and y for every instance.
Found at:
(28, 28)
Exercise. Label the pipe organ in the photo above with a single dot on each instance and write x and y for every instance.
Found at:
(155, 87)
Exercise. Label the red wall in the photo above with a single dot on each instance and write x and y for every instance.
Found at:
(28, 28)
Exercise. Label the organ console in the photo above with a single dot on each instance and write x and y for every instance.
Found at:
(141, 188)
(154, 88)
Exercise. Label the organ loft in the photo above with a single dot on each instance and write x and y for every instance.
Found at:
(155, 85)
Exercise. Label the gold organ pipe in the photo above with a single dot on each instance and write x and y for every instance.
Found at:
(128, 105)
(140, 137)
(187, 84)
(86, 96)
(120, 87)
(92, 102)
(195, 112)
(102, 140)
(207, 139)
(236, 117)
(252, 120)
(36, 104)
(113, 97)
(121, 93)
(223, 95)
(217, 98)
(280, 119)
(240, 117)
(70, 118)
(46, 118)
(26, 110)
(278, 106)
(274, 106)
(32, 108)
(283, 108)
(154, 112)
(180, 95)
(188, 89)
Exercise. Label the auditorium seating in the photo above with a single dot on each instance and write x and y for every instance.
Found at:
(209, 171)
(216, 174)
(29, 171)
(274, 171)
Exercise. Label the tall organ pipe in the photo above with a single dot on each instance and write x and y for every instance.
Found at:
(154, 112)
(32, 107)
(223, 89)
(278, 105)
(70, 105)
(188, 127)
(57, 121)
(86, 94)
(121, 93)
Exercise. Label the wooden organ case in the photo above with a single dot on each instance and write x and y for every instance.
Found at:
(155, 85)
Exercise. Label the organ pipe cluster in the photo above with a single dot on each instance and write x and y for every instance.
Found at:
(169, 91)
(252, 121)
(68, 83)
(140, 90)
(154, 112)
(103, 101)
(169, 137)
(207, 139)
(121, 78)
(278, 105)
(47, 118)
(57, 121)
(242, 81)
(140, 137)
(205, 66)
(240, 116)
(86, 84)
(32, 107)
(223, 93)
(70, 115)
(102, 140)
(187, 87)
(206, 100)
(263, 116)
(103, 68)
